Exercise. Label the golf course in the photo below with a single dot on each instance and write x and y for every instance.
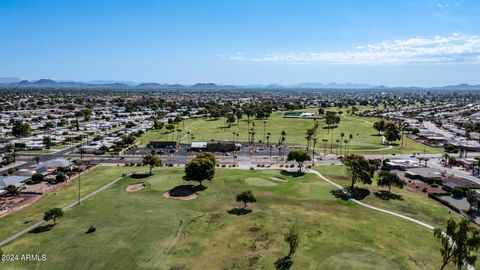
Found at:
(142, 229)
(365, 139)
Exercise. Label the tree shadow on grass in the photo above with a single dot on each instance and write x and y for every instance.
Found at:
(239, 211)
(182, 191)
(185, 190)
(357, 193)
(41, 229)
(339, 194)
(330, 127)
(385, 195)
(140, 175)
(293, 174)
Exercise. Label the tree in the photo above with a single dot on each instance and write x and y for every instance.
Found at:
(321, 111)
(61, 177)
(53, 214)
(152, 161)
(300, 156)
(391, 132)
(471, 198)
(170, 127)
(20, 129)
(332, 119)
(459, 243)
(246, 197)
(12, 190)
(200, 169)
(230, 119)
(37, 178)
(359, 168)
(379, 126)
(36, 159)
(47, 141)
(389, 179)
(208, 156)
(292, 238)
(157, 124)
(87, 113)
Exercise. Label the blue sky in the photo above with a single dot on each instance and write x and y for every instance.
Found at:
(422, 43)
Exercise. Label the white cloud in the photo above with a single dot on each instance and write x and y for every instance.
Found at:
(442, 5)
(454, 48)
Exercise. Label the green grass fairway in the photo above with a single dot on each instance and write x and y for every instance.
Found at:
(144, 230)
(90, 181)
(413, 204)
(261, 182)
(365, 139)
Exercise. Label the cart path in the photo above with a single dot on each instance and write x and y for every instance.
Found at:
(370, 206)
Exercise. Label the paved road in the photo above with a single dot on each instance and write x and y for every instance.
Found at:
(433, 128)
(436, 164)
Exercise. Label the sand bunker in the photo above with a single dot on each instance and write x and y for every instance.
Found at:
(135, 187)
(278, 179)
(184, 193)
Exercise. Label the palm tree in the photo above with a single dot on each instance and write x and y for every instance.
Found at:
(336, 151)
(313, 150)
(341, 140)
(14, 155)
(268, 139)
(36, 159)
(264, 129)
(325, 143)
(345, 142)
(281, 141)
(445, 157)
(308, 138)
(350, 137)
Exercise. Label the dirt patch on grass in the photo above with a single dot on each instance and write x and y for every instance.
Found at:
(278, 179)
(135, 187)
(183, 192)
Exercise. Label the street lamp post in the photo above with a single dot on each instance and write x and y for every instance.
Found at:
(79, 175)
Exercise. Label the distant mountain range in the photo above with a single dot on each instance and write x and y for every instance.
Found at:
(14, 82)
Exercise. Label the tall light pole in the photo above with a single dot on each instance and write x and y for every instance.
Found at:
(79, 187)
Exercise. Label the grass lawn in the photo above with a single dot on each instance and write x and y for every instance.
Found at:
(52, 149)
(90, 181)
(413, 204)
(144, 230)
(365, 139)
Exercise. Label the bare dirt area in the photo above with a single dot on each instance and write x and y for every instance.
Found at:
(135, 187)
(278, 179)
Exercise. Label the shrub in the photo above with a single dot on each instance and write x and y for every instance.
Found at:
(458, 192)
(37, 178)
(61, 177)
